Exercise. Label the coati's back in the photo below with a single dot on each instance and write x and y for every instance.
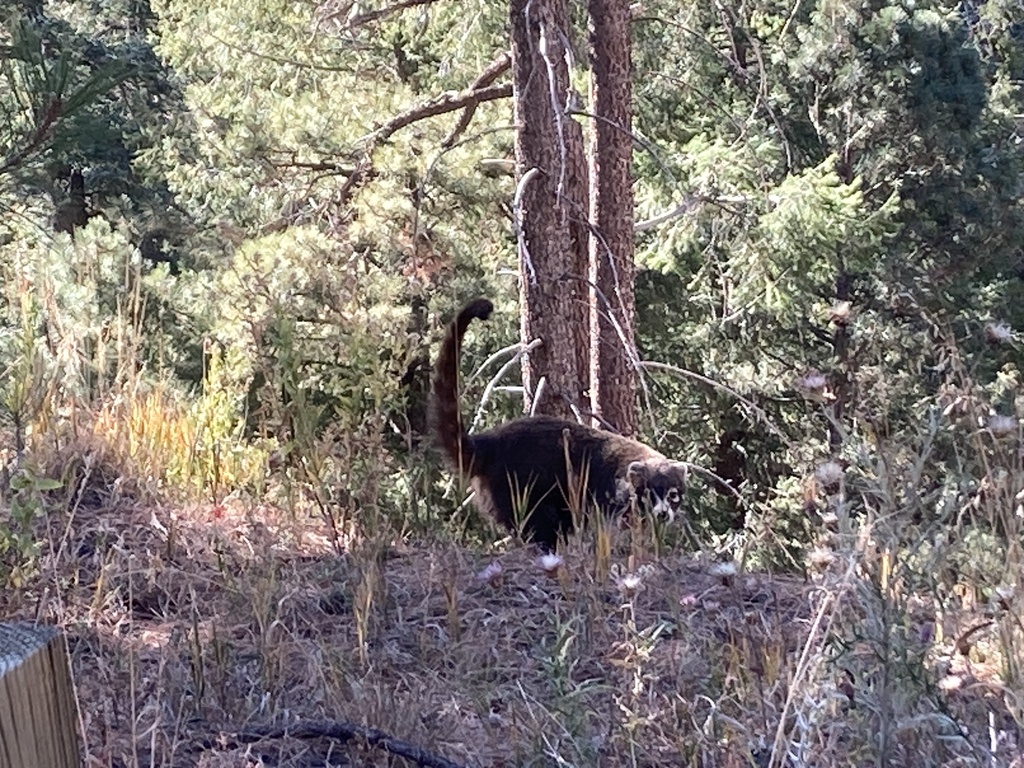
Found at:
(518, 470)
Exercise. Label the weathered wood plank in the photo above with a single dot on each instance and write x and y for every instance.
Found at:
(38, 720)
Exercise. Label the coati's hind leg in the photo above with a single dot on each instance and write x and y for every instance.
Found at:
(534, 515)
(546, 525)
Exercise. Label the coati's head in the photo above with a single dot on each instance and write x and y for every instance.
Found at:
(659, 484)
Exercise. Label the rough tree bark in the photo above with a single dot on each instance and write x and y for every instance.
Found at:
(612, 372)
(551, 209)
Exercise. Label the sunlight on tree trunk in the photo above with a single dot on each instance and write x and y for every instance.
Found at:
(550, 209)
(612, 373)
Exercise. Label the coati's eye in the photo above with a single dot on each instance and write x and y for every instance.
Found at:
(673, 496)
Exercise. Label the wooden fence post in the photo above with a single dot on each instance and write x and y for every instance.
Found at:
(38, 717)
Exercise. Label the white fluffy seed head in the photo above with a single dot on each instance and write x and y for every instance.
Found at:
(950, 683)
(1002, 426)
(550, 563)
(629, 584)
(821, 558)
(814, 386)
(998, 333)
(723, 570)
(812, 381)
(829, 474)
(491, 573)
(841, 312)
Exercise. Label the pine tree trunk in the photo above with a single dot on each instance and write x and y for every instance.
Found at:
(612, 372)
(551, 210)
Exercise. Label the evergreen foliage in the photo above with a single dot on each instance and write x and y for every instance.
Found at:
(845, 152)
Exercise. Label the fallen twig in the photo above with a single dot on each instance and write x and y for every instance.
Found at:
(335, 729)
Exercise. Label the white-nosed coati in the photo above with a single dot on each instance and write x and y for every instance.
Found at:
(518, 470)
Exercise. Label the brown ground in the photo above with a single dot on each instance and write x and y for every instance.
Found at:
(187, 625)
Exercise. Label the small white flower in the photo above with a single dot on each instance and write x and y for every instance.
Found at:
(631, 581)
(1002, 426)
(550, 563)
(490, 574)
(829, 475)
(998, 333)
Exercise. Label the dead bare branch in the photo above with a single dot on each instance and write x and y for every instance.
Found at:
(491, 72)
(342, 731)
(365, 18)
(757, 410)
(442, 104)
(445, 102)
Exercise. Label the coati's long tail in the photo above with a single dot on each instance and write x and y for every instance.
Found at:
(445, 416)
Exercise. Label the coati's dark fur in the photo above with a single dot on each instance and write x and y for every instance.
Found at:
(518, 470)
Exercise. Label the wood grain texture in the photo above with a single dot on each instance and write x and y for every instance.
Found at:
(37, 702)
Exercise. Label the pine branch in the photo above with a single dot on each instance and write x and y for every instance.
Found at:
(50, 118)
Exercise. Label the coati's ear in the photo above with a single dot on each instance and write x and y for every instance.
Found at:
(681, 472)
(637, 473)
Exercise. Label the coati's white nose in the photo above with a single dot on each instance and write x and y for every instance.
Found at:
(664, 508)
